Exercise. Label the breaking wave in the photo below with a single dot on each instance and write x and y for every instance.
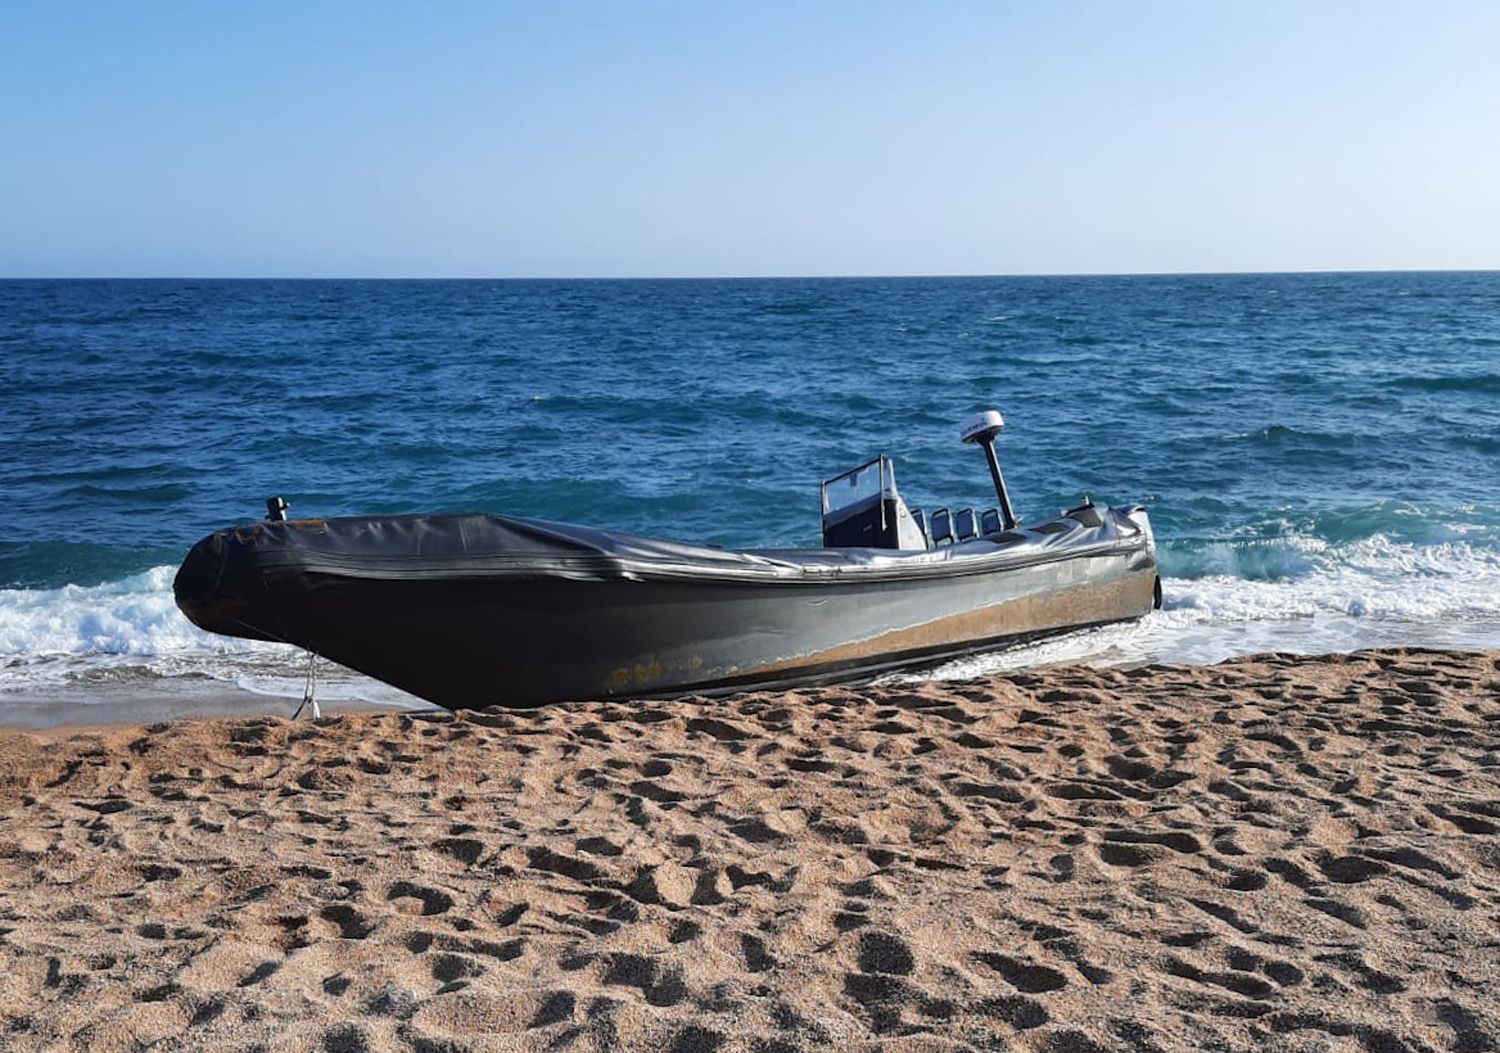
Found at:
(130, 632)
(1297, 594)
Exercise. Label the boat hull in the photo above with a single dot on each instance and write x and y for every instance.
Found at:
(526, 637)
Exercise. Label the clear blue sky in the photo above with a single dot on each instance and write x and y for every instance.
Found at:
(622, 138)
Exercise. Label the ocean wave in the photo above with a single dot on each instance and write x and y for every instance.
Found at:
(132, 616)
(1324, 598)
(159, 494)
(1486, 383)
(1285, 434)
(107, 473)
(1374, 577)
(1287, 543)
(130, 634)
(53, 564)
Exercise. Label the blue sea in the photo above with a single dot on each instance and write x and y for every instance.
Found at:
(1318, 451)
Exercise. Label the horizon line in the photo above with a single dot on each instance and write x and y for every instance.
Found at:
(739, 277)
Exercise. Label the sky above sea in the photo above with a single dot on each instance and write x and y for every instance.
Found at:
(672, 138)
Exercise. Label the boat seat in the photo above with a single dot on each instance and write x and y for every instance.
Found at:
(965, 525)
(942, 526)
(920, 518)
(989, 522)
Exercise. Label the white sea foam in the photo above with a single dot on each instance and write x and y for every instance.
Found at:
(1307, 596)
(1292, 594)
(1374, 577)
(131, 631)
(133, 616)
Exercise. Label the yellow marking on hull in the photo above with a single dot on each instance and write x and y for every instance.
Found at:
(1083, 605)
(1057, 609)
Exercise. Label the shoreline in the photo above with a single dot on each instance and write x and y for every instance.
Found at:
(1272, 852)
(124, 704)
(185, 699)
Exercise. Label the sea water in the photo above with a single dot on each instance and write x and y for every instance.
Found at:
(1318, 451)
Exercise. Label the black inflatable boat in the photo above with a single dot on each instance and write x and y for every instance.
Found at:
(476, 610)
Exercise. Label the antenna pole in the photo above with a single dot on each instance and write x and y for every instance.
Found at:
(981, 430)
(1006, 515)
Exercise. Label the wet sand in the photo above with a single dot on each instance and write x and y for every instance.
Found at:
(37, 709)
(1274, 853)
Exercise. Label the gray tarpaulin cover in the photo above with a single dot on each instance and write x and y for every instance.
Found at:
(508, 546)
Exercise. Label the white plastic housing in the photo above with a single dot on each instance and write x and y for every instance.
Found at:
(982, 426)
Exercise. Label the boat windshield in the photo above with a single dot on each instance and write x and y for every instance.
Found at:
(859, 484)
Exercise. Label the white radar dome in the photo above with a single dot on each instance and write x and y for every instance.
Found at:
(982, 427)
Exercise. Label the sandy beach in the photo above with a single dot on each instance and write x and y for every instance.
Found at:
(1273, 853)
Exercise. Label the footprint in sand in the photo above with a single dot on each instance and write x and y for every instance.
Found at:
(434, 901)
(352, 925)
(1026, 977)
(881, 952)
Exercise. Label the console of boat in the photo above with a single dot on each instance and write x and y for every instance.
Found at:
(474, 610)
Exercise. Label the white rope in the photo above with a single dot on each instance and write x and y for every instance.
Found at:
(310, 689)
